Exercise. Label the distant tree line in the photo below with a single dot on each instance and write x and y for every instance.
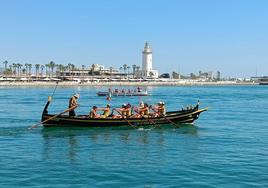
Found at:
(50, 69)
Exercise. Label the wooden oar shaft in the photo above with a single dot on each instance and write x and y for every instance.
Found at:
(125, 118)
(162, 115)
(65, 111)
(150, 120)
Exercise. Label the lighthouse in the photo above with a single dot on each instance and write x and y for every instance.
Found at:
(147, 58)
(147, 63)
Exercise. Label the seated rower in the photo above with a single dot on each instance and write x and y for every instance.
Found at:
(128, 110)
(93, 113)
(146, 110)
(139, 110)
(143, 110)
(124, 112)
(160, 109)
(106, 111)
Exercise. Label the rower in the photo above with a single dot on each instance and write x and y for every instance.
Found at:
(146, 110)
(106, 111)
(93, 112)
(72, 103)
(124, 112)
(159, 110)
(143, 110)
(128, 109)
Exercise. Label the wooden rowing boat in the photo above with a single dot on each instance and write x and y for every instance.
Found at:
(181, 116)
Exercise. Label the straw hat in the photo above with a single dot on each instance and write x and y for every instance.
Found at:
(76, 95)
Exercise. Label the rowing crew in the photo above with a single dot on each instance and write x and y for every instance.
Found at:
(126, 111)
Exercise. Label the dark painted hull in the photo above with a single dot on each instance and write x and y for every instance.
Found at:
(184, 116)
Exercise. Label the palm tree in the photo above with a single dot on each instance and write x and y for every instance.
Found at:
(19, 69)
(42, 70)
(52, 66)
(26, 68)
(47, 69)
(5, 62)
(30, 69)
(134, 70)
(10, 67)
(14, 65)
(73, 67)
(125, 69)
(23, 71)
(37, 66)
(128, 67)
(61, 67)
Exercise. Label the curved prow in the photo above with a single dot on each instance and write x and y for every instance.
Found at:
(45, 111)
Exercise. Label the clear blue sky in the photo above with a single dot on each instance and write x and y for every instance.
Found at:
(186, 35)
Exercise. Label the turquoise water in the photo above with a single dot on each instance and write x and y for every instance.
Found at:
(227, 146)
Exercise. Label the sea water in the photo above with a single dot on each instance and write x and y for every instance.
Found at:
(226, 147)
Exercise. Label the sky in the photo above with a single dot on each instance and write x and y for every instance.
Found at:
(230, 36)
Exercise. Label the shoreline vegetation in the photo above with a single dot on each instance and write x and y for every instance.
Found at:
(125, 83)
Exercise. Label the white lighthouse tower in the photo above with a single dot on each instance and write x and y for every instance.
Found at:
(147, 63)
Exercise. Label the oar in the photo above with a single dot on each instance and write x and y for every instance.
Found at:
(65, 111)
(150, 120)
(125, 119)
(176, 125)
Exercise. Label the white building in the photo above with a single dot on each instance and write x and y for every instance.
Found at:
(147, 63)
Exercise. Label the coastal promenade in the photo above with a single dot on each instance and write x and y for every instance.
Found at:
(118, 83)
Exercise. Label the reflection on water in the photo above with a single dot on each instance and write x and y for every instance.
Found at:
(74, 141)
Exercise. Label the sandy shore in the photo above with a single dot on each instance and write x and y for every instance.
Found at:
(171, 83)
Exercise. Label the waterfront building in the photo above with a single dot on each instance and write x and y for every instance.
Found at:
(147, 64)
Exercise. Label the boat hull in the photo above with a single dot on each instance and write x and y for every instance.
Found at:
(176, 117)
